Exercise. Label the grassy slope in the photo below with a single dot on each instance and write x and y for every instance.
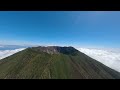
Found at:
(29, 64)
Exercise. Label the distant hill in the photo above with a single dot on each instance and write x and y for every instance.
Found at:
(54, 62)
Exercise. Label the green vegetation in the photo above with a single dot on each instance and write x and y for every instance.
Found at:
(34, 64)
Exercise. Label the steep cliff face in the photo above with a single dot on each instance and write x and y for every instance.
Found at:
(53, 62)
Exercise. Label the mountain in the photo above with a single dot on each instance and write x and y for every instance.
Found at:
(54, 62)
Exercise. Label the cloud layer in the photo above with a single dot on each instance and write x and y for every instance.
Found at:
(6, 53)
(107, 57)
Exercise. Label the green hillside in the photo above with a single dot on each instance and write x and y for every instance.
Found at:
(53, 63)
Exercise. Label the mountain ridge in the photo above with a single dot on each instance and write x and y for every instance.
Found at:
(55, 49)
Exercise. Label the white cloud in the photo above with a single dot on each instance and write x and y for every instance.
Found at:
(107, 57)
(6, 53)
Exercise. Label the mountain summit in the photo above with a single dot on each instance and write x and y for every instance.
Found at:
(54, 62)
(56, 50)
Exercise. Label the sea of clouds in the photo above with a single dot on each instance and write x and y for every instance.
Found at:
(6, 53)
(110, 58)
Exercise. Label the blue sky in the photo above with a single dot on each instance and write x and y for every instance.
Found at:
(70, 28)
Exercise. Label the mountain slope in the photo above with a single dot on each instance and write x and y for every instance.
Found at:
(53, 62)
